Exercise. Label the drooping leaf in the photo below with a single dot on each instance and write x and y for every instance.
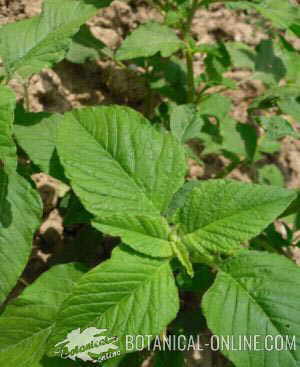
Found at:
(122, 295)
(258, 295)
(147, 40)
(27, 322)
(43, 40)
(7, 145)
(20, 212)
(36, 134)
(120, 179)
(220, 215)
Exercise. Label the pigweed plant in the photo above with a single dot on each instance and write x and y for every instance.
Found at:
(190, 257)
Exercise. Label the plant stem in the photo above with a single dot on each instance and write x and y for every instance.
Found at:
(190, 76)
(189, 21)
(26, 95)
(189, 54)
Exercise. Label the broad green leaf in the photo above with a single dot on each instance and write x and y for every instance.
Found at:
(84, 47)
(215, 105)
(43, 40)
(241, 55)
(147, 40)
(36, 134)
(256, 293)
(180, 196)
(20, 213)
(127, 295)
(219, 215)
(271, 175)
(7, 145)
(276, 127)
(269, 67)
(291, 59)
(232, 139)
(118, 173)
(149, 235)
(185, 122)
(120, 177)
(27, 322)
(282, 13)
(290, 106)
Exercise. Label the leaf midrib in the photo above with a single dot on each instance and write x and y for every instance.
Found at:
(257, 304)
(139, 286)
(237, 213)
(142, 190)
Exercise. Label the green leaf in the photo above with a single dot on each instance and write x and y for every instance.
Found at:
(271, 175)
(147, 40)
(122, 295)
(36, 134)
(119, 174)
(276, 127)
(282, 13)
(120, 179)
(185, 122)
(256, 293)
(182, 254)
(180, 196)
(219, 215)
(169, 358)
(269, 67)
(7, 145)
(215, 105)
(84, 47)
(241, 55)
(43, 40)
(149, 235)
(20, 213)
(291, 106)
(27, 322)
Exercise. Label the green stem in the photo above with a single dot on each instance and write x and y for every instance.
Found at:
(190, 76)
(188, 24)
(189, 54)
